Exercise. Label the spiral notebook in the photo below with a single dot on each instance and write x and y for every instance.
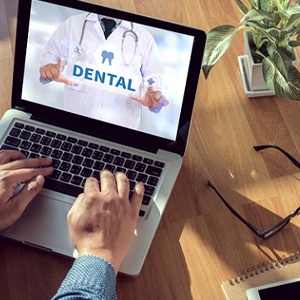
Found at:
(278, 270)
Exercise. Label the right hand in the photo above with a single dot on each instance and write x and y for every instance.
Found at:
(103, 219)
(53, 72)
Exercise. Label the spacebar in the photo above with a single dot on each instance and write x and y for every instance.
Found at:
(62, 187)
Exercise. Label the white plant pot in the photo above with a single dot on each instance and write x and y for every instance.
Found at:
(254, 70)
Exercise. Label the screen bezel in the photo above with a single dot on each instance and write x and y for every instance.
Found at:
(98, 128)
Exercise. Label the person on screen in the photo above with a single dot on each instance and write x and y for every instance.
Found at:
(112, 68)
(101, 221)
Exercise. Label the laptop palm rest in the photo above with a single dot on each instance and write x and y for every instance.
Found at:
(44, 224)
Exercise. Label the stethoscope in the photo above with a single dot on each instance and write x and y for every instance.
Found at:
(80, 51)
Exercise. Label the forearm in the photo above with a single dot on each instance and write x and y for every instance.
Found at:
(90, 278)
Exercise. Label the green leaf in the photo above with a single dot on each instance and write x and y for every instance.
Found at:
(267, 5)
(294, 43)
(243, 8)
(282, 86)
(256, 15)
(254, 3)
(218, 41)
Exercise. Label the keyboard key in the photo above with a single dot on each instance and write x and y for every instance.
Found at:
(146, 200)
(61, 137)
(149, 190)
(137, 157)
(88, 162)
(131, 174)
(159, 164)
(140, 167)
(56, 153)
(153, 171)
(76, 180)
(87, 152)
(142, 178)
(82, 143)
(93, 146)
(108, 158)
(86, 172)
(25, 145)
(40, 131)
(104, 149)
(125, 155)
(50, 134)
(77, 160)
(56, 144)
(76, 149)
(45, 141)
(12, 141)
(25, 135)
(97, 155)
(35, 148)
(35, 138)
(75, 169)
(66, 146)
(19, 125)
(153, 180)
(65, 177)
(129, 164)
(15, 132)
(67, 156)
(29, 128)
(65, 166)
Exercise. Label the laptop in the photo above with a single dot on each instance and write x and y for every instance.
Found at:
(91, 122)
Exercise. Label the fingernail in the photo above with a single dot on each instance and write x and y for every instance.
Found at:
(40, 180)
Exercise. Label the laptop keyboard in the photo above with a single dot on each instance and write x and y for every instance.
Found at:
(74, 160)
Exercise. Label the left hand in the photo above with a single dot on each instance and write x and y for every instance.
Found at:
(152, 98)
(15, 169)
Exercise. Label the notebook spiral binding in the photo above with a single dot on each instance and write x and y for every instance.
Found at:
(263, 268)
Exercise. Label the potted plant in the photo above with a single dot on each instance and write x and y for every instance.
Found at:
(273, 27)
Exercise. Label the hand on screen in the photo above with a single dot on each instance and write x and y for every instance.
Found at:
(152, 98)
(53, 72)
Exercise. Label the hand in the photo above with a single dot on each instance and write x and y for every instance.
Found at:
(14, 170)
(102, 220)
(54, 72)
(152, 98)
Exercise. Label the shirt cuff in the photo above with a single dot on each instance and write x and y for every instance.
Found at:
(91, 277)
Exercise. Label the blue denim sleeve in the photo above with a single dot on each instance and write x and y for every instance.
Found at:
(90, 277)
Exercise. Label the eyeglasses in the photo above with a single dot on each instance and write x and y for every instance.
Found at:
(276, 228)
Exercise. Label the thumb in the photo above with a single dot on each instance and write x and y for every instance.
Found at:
(20, 200)
(29, 191)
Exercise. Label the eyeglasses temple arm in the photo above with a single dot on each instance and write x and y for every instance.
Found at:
(249, 225)
(290, 157)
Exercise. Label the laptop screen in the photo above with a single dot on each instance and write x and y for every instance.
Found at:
(133, 75)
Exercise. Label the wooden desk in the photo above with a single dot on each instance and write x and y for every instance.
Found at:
(199, 244)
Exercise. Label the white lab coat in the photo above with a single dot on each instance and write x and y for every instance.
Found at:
(95, 102)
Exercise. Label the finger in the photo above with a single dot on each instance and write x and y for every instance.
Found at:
(108, 181)
(91, 184)
(66, 81)
(27, 163)
(20, 201)
(137, 198)
(60, 64)
(135, 97)
(10, 155)
(122, 185)
(14, 178)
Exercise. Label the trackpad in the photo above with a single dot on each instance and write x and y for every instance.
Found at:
(44, 223)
